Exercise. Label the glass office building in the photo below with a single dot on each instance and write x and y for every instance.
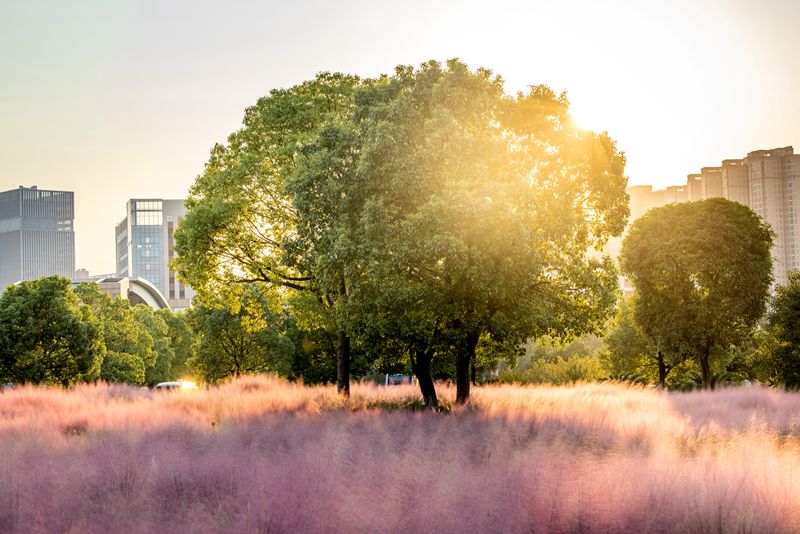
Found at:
(144, 243)
(36, 234)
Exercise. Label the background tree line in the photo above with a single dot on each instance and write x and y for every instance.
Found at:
(51, 334)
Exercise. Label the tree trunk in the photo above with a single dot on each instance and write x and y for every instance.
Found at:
(421, 365)
(472, 370)
(464, 357)
(705, 367)
(343, 363)
(662, 371)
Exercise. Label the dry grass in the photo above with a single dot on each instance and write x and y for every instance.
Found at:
(262, 455)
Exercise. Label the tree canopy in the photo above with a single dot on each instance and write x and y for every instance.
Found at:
(163, 353)
(129, 346)
(462, 214)
(46, 336)
(423, 212)
(702, 272)
(626, 350)
(232, 344)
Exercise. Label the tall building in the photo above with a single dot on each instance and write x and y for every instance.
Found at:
(36, 234)
(710, 182)
(773, 177)
(675, 193)
(735, 181)
(643, 198)
(694, 187)
(145, 246)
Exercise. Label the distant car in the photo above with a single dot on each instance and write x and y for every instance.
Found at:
(179, 384)
(398, 379)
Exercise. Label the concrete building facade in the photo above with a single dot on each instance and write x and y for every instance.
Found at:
(735, 181)
(145, 245)
(37, 236)
(710, 182)
(643, 198)
(773, 177)
(694, 189)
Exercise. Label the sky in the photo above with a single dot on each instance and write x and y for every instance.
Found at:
(124, 99)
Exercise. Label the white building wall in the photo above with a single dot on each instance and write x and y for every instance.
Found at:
(145, 246)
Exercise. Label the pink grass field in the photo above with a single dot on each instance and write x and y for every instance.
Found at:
(263, 455)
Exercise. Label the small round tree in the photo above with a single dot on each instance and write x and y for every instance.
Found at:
(702, 272)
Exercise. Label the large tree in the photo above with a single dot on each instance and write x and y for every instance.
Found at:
(242, 227)
(702, 273)
(46, 336)
(428, 209)
(462, 214)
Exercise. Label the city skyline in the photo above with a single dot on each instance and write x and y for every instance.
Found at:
(765, 180)
(125, 101)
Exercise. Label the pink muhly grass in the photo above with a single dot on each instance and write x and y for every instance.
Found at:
(263, 455)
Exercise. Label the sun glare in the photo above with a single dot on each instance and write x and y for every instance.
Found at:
(587, 119)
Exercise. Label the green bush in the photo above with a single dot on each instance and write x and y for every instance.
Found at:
(556, 371)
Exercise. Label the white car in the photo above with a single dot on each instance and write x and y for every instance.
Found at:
(179, 384)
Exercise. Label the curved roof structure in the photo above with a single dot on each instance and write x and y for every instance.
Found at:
(136, 290)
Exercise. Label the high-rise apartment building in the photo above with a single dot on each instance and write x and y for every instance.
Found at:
(773, 178)
(693, 187)
(643, 198)
(735, 181)
(145, 245)
(710, 182)
(675, 193)
(36, 234)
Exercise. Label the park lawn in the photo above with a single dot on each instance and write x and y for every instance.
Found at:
(263, 455)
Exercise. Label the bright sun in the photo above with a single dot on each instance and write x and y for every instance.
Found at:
(585, 118)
